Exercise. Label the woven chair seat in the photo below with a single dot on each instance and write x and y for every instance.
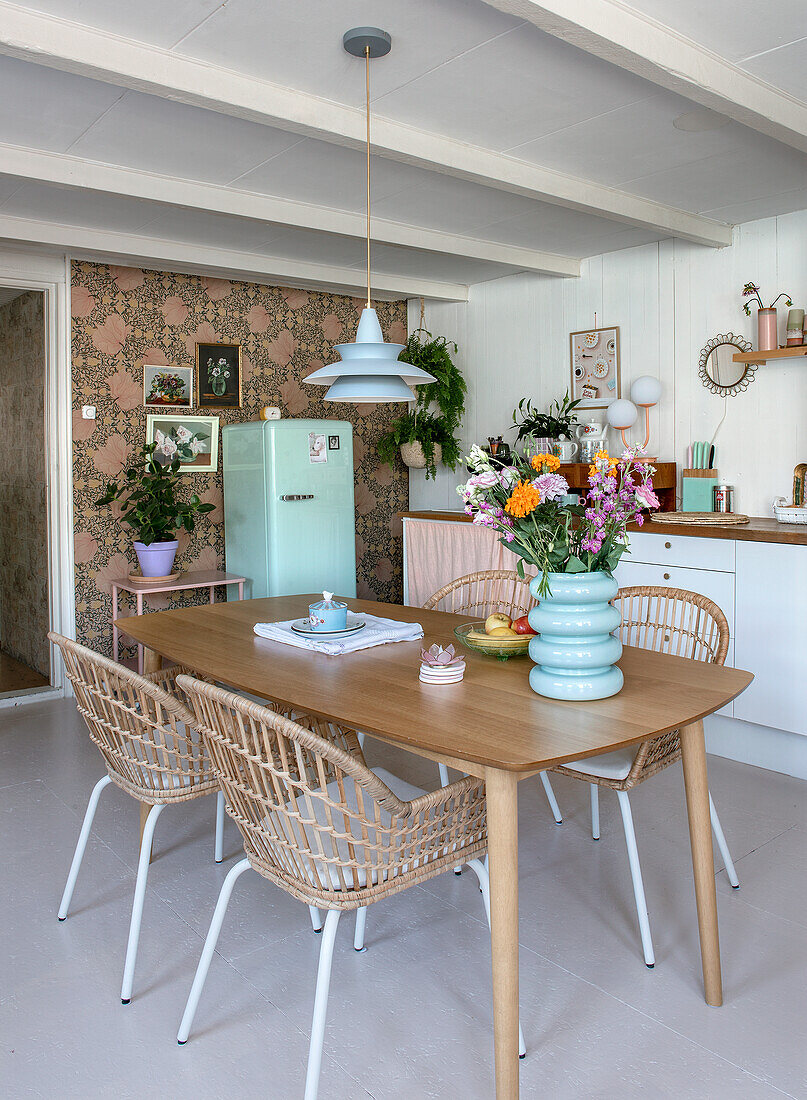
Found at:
(610, 765)
(306, 834)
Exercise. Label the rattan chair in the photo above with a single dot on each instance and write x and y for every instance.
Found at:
(480, 595)
(151, 750)
(667, 620)
(318, 823)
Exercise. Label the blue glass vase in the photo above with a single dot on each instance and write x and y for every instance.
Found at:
(574, 651)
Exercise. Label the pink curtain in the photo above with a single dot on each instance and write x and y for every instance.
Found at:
(439, 552)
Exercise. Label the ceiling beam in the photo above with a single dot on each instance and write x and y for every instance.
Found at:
(641, 45)
(70, 47)
(70, 171)
(138, 250)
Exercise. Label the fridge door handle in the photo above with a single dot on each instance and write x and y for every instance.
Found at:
(297, 496)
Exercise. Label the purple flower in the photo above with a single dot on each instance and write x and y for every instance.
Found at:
(551, 486)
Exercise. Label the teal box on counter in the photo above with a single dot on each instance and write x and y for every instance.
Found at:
(696, 490)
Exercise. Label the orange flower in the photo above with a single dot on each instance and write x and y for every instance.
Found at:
(600, 459)
(549, 462)
(525, 498)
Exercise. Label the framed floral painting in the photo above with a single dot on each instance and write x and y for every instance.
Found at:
(218, 376)
(194, 440)
(167, 387)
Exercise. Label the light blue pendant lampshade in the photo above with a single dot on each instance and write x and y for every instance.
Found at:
(369, 370)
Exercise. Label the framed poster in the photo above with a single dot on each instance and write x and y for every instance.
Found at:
(167, 387)
(218, 376)
(194, 440)
(595, 379)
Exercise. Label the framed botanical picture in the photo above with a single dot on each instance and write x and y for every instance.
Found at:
(167, 387)
(194, 440)
(595, 380)
(218, 376)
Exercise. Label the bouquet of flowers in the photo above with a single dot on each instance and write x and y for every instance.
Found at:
(217, 375)
(166, 389)
(527, 503)
(179, 443)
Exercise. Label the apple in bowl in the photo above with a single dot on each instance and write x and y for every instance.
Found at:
(496, 621)
(522, 626)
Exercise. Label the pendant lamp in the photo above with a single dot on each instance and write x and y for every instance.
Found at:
(369, 370)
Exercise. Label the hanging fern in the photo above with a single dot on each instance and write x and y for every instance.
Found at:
(447, 393)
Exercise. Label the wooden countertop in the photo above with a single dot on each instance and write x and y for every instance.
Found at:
(758, 529)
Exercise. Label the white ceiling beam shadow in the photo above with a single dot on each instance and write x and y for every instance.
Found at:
(641, 45)
(70, 47)
(69, 171)
(137, 250)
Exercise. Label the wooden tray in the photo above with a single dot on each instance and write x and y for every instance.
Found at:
(138, 578)
(704, 519)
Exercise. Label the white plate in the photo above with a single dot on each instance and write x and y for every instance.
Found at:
(591, 339)
(299, 627)
(601, 368)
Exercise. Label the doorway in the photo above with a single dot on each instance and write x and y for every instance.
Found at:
(25, 612)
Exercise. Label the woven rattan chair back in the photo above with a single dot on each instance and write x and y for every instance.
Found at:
(145, 734)
(480, 594)
(666, 620)
(314, 818)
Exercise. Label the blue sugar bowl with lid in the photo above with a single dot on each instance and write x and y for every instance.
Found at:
(327, 614)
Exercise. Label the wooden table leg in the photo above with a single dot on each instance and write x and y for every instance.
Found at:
(696, 785)
(152, 662)
(145, 810)
(502, 798)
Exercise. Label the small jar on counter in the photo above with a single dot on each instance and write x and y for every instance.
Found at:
(722, 498)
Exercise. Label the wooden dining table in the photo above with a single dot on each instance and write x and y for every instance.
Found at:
(491, 724)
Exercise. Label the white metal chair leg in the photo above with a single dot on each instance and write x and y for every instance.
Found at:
(321, 1004)
(550, 797)
(137, 904)
(210, 946)
(481, 871)
(358, 934)
(219, 852)
(595, 811)
(636, 875)
(316, 918)
(443, 775)
(720, 837)
(81, 844)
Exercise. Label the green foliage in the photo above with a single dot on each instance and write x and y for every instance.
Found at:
(427, 430)
(555, 422)
(148, 492)
(447, 393)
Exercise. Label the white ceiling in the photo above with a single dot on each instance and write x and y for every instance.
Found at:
(458, 68)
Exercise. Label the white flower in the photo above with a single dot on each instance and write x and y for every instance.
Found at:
(508, 475)
(478, 460)
(196, 446)
(182, 433)
(168, 447)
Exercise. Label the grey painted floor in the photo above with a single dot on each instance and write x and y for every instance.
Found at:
(411, 1017)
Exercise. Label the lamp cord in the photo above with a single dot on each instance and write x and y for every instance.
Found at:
(367, 102)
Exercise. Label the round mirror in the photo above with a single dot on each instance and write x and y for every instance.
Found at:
(717, 369)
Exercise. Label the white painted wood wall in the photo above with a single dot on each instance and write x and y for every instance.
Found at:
(668, 300)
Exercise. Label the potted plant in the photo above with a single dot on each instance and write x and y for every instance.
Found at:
(424, 437)
(557, 423)
(575, 548)
(147, 491)
(767, 327)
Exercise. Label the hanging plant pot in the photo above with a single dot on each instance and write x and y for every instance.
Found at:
(413, 456)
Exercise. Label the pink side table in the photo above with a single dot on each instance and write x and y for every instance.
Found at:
(205, 578)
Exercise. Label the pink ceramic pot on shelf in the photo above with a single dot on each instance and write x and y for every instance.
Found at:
(767, 330)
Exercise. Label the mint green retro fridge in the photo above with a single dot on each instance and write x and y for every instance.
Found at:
(289, 517)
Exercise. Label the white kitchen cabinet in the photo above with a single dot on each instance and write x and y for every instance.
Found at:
(688, 551)
(771, 634)
(714, 585)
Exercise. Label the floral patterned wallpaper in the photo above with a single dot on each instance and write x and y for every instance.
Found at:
(124, 316)
(24, 611)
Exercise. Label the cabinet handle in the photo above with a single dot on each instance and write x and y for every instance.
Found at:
(668, 546)
(297, 496)
(666, 576)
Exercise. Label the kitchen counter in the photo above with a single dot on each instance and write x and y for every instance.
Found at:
(758, 529)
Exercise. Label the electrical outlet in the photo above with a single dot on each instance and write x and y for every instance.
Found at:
(88, 412)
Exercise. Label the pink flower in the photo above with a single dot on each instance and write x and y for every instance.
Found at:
(174, 310)
(111, 456)
(551, 486)
(124, 390)
(258, 318)
(331, 327)
(295, 299)
(282, 348)
(646, 497)
(110, 337)
(82, 302)
(217, 288)
(127, 278)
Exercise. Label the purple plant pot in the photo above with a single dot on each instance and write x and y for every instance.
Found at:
(156, 559)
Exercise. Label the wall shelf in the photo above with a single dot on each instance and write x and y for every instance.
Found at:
(759, 357)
